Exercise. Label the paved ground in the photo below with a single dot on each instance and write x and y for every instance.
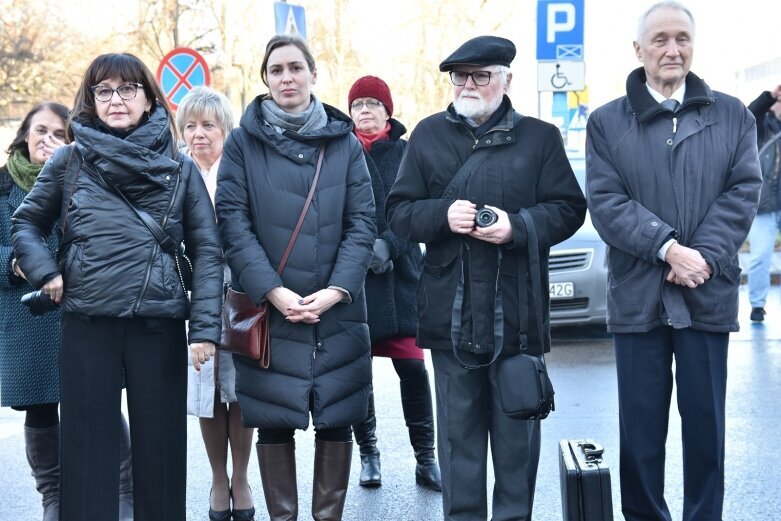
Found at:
(582, 368)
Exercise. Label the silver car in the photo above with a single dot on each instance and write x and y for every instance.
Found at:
(577, 270)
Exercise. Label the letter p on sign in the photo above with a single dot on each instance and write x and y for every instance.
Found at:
(561, 19)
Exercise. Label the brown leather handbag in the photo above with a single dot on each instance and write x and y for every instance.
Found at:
(245, 329)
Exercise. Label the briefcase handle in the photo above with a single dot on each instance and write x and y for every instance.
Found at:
(592, 450)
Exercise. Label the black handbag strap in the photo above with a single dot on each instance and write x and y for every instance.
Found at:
(301, 217)
(69, 184)
(168, 244)
(536, 276)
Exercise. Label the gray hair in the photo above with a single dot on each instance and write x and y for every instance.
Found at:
(203, 101)
(504, 71)
(664, 4)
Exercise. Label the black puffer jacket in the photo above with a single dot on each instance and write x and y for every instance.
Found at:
(110, 262)
(391, 297)
(263, 181)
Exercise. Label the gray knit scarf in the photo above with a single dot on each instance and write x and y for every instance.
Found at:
(313, 118)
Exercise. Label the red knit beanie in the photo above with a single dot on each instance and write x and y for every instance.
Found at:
(371, 87)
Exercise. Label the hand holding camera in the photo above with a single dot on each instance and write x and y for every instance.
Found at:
(492, 225)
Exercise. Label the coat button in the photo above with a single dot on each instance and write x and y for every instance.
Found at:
(487, 141)
(654, 223)
(669, 141)
(509, 138)
(168, 178)
(300, 156)
(669, 322)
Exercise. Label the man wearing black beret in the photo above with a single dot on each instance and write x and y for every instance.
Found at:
(476, 307)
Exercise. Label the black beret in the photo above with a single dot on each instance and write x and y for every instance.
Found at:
(482, 50)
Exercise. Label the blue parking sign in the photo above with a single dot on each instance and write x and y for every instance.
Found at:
(560, 30)
(290, 19)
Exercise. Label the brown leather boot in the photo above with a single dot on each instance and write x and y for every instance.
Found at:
(332, 475)
(278, 473)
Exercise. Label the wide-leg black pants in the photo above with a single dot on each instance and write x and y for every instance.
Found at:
(151, 355)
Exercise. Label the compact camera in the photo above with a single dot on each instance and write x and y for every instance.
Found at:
(38, 302)
(486, 217)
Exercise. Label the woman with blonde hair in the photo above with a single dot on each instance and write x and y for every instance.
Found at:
(204, 120)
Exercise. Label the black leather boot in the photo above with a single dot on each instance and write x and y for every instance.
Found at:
(332, 475)
(125, 474)
(366, 438)
(419, 415)
(43, 454)
(278, 474)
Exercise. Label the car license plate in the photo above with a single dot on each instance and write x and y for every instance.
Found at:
(562, 289)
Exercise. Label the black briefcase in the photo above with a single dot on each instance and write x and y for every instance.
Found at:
(585, 482)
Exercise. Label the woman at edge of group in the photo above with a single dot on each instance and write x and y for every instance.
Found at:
(124, 306)
(391, 290)
(29, 346)
(320, 360)
(204, 119)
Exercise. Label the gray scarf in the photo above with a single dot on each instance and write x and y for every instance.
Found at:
(313, 118)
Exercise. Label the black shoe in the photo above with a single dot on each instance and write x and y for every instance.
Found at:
(219, 515)
(370, 471)
(427, 475)
(247, 514)
(758, 314)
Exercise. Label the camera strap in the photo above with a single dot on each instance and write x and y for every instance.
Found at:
(467, 169)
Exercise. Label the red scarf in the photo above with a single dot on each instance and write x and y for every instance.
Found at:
(367, 140)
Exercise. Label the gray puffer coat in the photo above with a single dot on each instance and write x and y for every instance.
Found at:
(263, 181)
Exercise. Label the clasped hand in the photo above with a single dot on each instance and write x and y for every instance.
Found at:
(461, 219)
(307, 309)
(687, 266)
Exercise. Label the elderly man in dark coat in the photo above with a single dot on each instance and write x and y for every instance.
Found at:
(673, 181)
(523, 166)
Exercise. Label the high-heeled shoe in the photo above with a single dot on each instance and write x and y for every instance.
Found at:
(221, 515)
(244, 514)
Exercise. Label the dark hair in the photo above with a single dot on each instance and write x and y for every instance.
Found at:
(281, 40)
(123, 67)
(19, 142)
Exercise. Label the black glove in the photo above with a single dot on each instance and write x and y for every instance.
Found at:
(381, 260)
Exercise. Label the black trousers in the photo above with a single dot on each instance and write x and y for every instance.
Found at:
(152, 355)
(645, 382)
(469, 414)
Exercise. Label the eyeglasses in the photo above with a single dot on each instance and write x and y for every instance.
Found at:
(480, 78)
(358, 105)
(126, 91)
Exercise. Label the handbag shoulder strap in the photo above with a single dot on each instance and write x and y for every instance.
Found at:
(72, 168)
(166, 242)
(536, 276)
(301, 217)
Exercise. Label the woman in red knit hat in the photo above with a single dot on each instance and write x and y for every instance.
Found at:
(391, 289)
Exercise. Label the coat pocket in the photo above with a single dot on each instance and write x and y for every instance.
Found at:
(436, 293)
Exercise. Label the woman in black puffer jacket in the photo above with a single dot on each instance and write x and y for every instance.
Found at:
(320, 363)
(124, 304)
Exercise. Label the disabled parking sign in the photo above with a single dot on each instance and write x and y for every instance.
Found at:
(179, 71)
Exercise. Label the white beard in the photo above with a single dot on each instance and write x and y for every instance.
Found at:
(476, 108)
